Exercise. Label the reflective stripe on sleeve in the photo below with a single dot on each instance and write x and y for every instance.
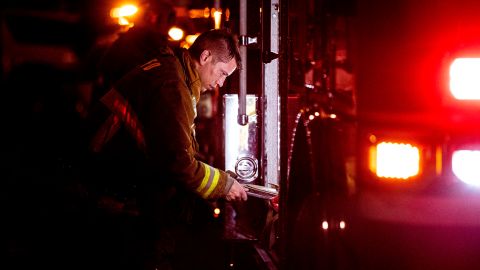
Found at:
(209, 181)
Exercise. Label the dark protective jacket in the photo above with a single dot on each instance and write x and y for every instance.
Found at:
(147, 129)
(132, 48)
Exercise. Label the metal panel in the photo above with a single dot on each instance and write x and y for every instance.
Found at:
(241, 141)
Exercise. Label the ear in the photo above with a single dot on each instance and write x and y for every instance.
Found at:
(205, 57)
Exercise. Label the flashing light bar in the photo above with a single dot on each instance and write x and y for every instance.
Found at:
(395, 160)
(465, 166)
(465, 78)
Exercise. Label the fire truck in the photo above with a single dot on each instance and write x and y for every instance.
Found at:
(353, 123)
(365, 123)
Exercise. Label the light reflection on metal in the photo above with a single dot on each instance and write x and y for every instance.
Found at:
(241, 141)
(246, 167)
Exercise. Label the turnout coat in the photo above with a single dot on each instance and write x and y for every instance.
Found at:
(145, 133)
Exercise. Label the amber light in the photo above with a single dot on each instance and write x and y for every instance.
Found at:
(124, 14)
(465, 78)
(394, 160)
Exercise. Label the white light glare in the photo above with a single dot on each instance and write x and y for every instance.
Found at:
(465, 165)
(123, 11)
(465, 78)
(175, 33)
(325, 225)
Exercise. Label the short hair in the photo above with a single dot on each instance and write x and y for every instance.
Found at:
(222, 44)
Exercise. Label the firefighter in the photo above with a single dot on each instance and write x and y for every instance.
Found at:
(144, 136)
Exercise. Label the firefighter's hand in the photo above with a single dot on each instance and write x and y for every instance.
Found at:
(236, 192)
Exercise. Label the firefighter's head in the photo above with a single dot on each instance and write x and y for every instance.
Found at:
(216, 55)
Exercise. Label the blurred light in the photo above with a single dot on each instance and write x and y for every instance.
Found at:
(175, 33)
(325, 225)
(311, 117)
(395, 160)
(206, 13)
(184, 44)
(465, 165)
(123, 21)
(317, 114)
(216, 212)
(217, 17)
(199, 13)
(342, 225)
(191, 38)
(127, 10)
(122, 13)
(333, 116)
(438, 160)
(227, 14)
(465, 78)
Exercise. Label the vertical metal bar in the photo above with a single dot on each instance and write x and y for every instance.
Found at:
(271, 123)
(242, 95)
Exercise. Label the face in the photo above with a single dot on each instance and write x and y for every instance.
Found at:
(213, 74)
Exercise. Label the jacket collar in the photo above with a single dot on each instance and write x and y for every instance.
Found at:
(192, 76)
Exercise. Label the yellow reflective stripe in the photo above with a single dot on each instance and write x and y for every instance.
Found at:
(216, 176)
(205, 177)
(151, 64)
(145, 68)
